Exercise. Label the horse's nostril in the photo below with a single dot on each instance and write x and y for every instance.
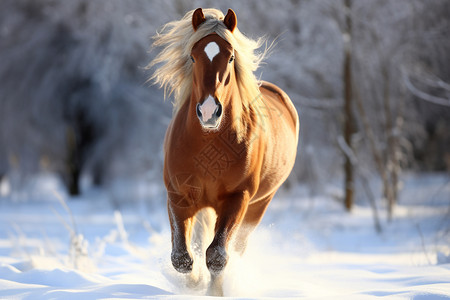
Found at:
(219, 110)
(199, 113)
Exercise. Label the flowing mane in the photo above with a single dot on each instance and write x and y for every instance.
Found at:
(177, 39)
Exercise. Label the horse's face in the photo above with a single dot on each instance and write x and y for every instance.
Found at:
(213, 72)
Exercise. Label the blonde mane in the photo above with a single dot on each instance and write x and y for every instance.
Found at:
(177, 39)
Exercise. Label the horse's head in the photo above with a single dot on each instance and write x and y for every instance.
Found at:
(213, 72)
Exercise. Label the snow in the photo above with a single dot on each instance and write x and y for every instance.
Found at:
(97, 247)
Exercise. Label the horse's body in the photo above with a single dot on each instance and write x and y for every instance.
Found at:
(224, 148)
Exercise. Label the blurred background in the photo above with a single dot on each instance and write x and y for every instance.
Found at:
(370, 80)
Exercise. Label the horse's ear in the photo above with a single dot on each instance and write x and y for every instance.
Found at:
(197, 18)
(230, 20)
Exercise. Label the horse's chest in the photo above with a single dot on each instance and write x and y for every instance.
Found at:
(216, 159)
(214, 165)
(209, 158)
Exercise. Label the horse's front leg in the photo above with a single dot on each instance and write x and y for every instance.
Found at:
(181, 219)
(230, 212)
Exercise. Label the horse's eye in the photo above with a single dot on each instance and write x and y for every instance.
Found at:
(192, 58)
(231, 59)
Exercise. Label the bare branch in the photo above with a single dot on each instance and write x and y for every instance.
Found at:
(347, 150)
(421, 94)
(434, 81)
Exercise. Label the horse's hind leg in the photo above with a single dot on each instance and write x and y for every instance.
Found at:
(181, 222)
(252, 218)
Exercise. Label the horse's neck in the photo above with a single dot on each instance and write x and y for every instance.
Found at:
(241, 117)
(244, 116)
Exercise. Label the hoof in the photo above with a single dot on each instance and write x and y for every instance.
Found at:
(216, 259)
(182, 261)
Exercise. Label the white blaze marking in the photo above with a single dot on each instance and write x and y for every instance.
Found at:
(212, 49)
(208, 108)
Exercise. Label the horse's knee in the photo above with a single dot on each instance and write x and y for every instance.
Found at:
(182, 261)
(216, 259)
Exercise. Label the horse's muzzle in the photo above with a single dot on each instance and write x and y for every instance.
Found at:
(209, 113)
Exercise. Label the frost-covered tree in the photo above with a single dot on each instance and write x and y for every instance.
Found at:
(74, 98)
(382, 41)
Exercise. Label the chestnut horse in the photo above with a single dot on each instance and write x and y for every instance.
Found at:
(232, 141)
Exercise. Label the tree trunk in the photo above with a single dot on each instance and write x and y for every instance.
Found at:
(348, 116)
(73, 166)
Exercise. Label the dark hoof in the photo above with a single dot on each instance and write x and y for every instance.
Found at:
(216, 259)
(182, 262)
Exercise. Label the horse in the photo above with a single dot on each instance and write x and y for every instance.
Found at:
(232, 140)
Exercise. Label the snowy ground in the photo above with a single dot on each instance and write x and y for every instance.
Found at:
(100, 246)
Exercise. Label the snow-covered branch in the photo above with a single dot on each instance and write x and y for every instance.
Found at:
(423, 95)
